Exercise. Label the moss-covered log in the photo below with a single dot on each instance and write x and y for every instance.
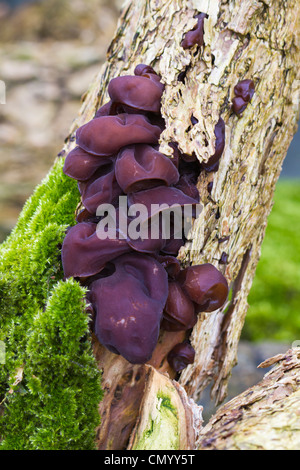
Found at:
(243, 39)
(264, 417)
(49, 381)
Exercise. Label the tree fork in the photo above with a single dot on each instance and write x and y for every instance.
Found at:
(248, 39)
(243, 39)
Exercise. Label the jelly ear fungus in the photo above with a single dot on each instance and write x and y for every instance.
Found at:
(244, 91)
(195, 36)
(137, 287)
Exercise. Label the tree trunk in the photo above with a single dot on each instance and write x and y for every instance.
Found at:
(248, 39)
(243, 39)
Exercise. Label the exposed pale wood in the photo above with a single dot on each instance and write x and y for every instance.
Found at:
(167, 418)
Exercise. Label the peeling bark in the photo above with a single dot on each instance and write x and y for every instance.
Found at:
(264, 417)
(243, 39)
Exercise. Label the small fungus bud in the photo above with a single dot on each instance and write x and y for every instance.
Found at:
(181, 356)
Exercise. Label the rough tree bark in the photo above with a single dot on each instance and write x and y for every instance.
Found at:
(264, 417)
(243, 39)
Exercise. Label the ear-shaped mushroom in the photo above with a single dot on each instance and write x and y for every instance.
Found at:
(165, 208)
(181, 356)
(239, 105)
(104, 110)
(84, 254)
(196, 35)
(129, 306)
(106, 135)
(213, 162)
(143, 69)
(140, 167)
(148, 244)
(101, 188)
(159, 197)
(81, 165)
(205, 286)
(171, 265)
(176, 239)
(138, 92)
(187, 186)
(245, 89)
(179, 311)
(173, 246)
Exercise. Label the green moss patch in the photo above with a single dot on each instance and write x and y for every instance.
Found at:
(162, 432)
(49, 384)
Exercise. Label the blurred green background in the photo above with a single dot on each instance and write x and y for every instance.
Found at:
(274, 300)
(50, 52)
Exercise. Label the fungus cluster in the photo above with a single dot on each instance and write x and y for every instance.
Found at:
(244, 92)
(136, 285)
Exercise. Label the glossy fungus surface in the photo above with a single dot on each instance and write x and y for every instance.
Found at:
(179, 311)
(213, 162)
(171, 265)
(106, 135)
(101, 188)
(161, 199)
(181, 356)
(195, 36)
(143, 69)
(244, 92)
(81, 165)
(164, 209)
(129, 306)
(239, 105)
(138, 92)
(135, 281)
(84, 254)
(245, 89)
(105, 110)
(140, 167)
(205, 285)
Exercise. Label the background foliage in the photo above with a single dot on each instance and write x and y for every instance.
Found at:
(274, 312)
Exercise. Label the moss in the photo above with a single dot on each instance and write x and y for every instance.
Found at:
(45, 329)
(162, 432)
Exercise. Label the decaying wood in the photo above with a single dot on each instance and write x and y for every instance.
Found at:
(167, 418)
(243, 39)
(264, 417)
